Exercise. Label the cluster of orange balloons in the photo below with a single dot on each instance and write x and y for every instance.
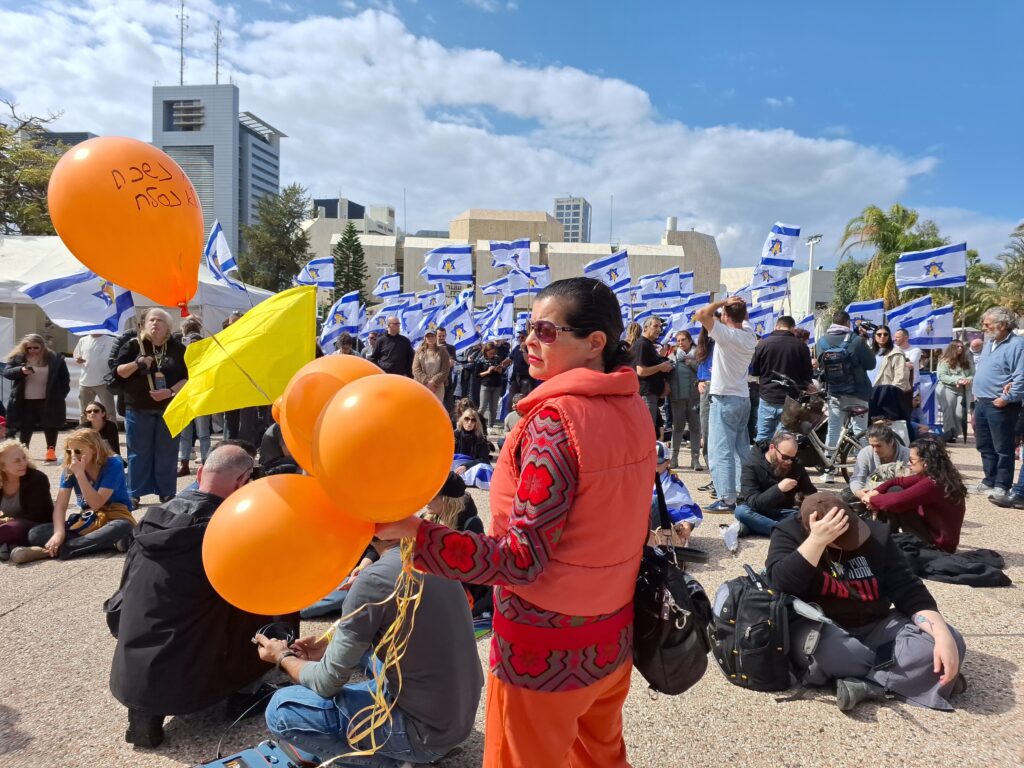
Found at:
(377, 448)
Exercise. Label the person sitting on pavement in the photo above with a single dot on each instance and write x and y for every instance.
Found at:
(770, 484)
(26, 500)
(782, 352)
(930, 502)
(885, 634)
(97, 418)
(96, 476)
(879, 460)
(334, 602)
(684, 514)
(471, 446)
(438, 691)
(181, 647)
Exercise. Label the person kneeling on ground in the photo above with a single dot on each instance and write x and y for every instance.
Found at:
(769, 486)
(96, 476)
(180, 646)
(930, 503)
(886, 635)
(435, 701)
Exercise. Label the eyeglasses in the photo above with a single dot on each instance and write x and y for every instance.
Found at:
(75, 451)
(882, 334)
(546, 331)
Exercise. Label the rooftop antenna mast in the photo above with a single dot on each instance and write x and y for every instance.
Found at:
(183, 25)
(216, 53)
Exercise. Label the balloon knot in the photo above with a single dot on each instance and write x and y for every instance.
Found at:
(184, 308)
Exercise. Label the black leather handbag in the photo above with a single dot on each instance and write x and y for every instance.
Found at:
(672, 615)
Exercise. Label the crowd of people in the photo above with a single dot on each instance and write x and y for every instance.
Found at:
(590, 416)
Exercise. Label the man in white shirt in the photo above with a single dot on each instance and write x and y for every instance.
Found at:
(728, 437)
(91, 353)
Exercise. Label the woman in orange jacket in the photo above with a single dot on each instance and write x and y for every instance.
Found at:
(570, 499)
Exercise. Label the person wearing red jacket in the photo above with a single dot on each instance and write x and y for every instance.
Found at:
(930, 502)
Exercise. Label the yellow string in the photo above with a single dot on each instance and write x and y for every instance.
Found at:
(366, 723)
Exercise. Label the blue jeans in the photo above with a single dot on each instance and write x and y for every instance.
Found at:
(318, 725)
(728, 443)
(768, 417)
(994, 435)
(836, 417)
(152, 454)
(101, 540)
(761, 523)
(332, 603)
(200, 427)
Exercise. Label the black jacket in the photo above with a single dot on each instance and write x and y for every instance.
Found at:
(393, 354)
(58, 384)
(34, 497)
(871, 578)
(780, 351)
(180, 646)
(136, 387)
(759, 485)
(471, 444)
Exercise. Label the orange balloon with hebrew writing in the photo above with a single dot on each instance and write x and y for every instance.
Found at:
(130, 214)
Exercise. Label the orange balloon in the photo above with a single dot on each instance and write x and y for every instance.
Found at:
(279, 544)
(130, 214)
(275, 410)
(309, 390)
(383, 447)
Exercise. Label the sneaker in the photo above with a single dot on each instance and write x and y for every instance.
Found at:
(144, 729)
(959, 685)
(827, 478)
(22, 555)
(122, 544)
(5, 552)
(720, 507)
(51, 455)
(851, 691)
(1009, 501)
(997, 494)
(981, 487)
(708, 486)
(183, 470)
(696, 467)
(165, 499)
(731, 535)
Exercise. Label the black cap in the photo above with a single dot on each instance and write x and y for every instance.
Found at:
(453, 488)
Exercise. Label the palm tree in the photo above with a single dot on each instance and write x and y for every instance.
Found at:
(1003, 285)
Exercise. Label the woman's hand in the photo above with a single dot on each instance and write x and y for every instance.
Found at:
(310, 648)
(27, 370)
(403, 529)
(161, 394)
(869, 496)
(53, 545)
(460, 471)
(77, 466)
(828, 528)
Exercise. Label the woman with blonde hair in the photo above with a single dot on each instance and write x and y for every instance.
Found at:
(40, 385)
(26, 500)
(152, 370)
(430, 365)
(471, 446)
(96, 475)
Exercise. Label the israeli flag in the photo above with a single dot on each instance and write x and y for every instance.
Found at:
(909, 314)
(479, 476)
(467, 295)
(762, 319)
(690, 307)
(318, 272)
(664, 285)
(681, 507)
(777, 255)
(458, 321)
(521, 318)
(746, 293)
(540, 277)
(83, 303)
(379, 321)
(686, 283)
(428, 322)
(219, 259)
(873, 311)
(411, 317)
(499, 322)
(773, 293)
(935, 331)
(388, 286)
(942, 267)
(514, 254)
(499, 287)
(431, 299)
(611, 270)
(448, 264)
(808, 324)
(346, 315)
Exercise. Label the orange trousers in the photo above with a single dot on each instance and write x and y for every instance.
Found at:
(578, 729)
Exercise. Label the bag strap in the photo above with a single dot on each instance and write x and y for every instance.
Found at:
(664, 521)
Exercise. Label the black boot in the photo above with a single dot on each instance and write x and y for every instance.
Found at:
(144, 729)
(851, 691)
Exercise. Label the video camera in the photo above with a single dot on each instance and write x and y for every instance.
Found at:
(865, 327)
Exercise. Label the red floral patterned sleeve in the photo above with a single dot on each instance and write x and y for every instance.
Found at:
(547, 483)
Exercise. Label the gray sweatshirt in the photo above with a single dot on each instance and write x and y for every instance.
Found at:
(868, 463)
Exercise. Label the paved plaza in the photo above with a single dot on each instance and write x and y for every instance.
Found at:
(56, 709)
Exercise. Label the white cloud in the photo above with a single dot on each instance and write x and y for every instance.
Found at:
(775, 103)
(373, 109)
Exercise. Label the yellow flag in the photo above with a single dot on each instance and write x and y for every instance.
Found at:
(251, 361)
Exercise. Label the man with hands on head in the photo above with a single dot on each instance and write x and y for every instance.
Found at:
(886, 635)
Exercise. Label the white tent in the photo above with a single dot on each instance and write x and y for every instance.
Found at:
(32, 259)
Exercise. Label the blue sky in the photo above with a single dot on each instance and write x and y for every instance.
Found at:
(728, 115)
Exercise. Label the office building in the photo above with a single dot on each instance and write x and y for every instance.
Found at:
(231, 157)
(575, 215)
(47, 138)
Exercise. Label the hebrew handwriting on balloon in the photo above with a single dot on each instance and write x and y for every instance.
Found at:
(153, 196)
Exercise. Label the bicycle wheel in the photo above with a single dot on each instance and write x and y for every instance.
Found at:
(846, 456)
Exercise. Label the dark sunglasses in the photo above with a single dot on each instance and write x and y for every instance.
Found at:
(883, 334)
(92, 410)
(31, 348)
(469, 421)
(69, 451)
(546, 331)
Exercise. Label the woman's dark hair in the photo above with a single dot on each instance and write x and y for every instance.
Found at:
(705, 344)
(885, 348)
(101, 406)
(591, 306)
(880, 430)
(940, 468)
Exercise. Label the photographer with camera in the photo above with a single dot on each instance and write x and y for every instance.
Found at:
(844, 358)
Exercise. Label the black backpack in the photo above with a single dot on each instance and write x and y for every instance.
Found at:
(836, 366)
(750, 633)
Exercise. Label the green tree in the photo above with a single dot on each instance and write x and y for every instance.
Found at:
(999, 285)
(25, 168)
(889, 233)
(350, 271)
(846, 284)
(276, 247)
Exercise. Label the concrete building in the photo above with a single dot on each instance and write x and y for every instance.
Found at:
(821, 283)
(47, 138)
(368, 219)
(575, 214)
(232, 158)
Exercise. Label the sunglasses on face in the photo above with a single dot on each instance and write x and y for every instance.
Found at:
(76, 451)
(30, 349)
(882, 335)
(546, 331)
(91, 411)
(469, 421)
(783, 457)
